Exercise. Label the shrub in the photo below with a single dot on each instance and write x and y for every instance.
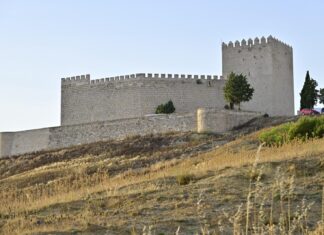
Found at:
(165, 108)
(276, 136)
(199, 81)
(226, 106)
(160, 109)
(304, 128)
(319, 131)
(184, 179)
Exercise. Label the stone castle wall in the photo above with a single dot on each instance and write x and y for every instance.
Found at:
(117, 107)
(268, 65)
(13, 143)
(219, 121)
(21, 142)
(84, 100)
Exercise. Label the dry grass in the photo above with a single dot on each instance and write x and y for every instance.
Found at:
(122, 187)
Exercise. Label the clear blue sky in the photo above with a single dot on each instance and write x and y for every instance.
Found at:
(42, 41)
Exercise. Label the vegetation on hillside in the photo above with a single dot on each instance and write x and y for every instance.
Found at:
(305, 128)
(181, 183)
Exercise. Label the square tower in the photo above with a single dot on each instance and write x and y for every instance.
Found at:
(268, 65)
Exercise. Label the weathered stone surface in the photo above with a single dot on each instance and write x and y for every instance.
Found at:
(219, 121)
(65, 136)
(13, 143)
(116, 107)
(269, 69)
(84, 102)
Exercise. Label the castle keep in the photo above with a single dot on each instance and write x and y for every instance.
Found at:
(117, 107)
(268, 64)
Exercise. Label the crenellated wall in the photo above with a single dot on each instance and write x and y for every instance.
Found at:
(117, 107)
(84, 100)
(267, 62)
(268, 65)
(85, 79)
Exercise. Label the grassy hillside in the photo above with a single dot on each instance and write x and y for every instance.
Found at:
(181, 183)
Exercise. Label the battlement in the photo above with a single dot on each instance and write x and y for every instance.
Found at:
(85, 79)
(256, 42)
(121, 106)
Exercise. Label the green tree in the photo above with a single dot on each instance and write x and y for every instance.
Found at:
(308, 94)
(237, 90)
(321, 96)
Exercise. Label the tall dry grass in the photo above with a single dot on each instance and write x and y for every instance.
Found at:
(291, 218)
(17, 203)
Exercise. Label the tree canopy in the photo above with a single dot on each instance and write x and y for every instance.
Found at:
(237, 90)
(309, 93)
(321, 96)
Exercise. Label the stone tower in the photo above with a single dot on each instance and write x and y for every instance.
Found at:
(268, 65)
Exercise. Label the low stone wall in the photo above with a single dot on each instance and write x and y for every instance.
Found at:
(119, 129)
(205, 120)
(14, 143)
(219, 121)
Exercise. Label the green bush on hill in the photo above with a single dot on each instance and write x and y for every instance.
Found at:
(276, 136)
(303, 129)
(165, 108)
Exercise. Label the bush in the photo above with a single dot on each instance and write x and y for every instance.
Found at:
(226, 106)
(319, 131)
(165, 108)
(276, 136)
(184, 179)
(303, 129)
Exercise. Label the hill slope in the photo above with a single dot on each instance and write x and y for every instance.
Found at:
(179, 181)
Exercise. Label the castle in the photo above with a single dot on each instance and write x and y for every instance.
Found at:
(116, 107)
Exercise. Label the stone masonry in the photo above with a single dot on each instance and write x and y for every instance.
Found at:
(13, 143)
(84, 100)
(122, 106)
(268, 65)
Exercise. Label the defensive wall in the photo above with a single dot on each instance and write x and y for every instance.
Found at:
(117, 107)
(84, 100)
(268, 65)
(219, 121)
(205, 120)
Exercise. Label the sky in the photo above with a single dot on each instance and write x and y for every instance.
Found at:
(42, 41)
